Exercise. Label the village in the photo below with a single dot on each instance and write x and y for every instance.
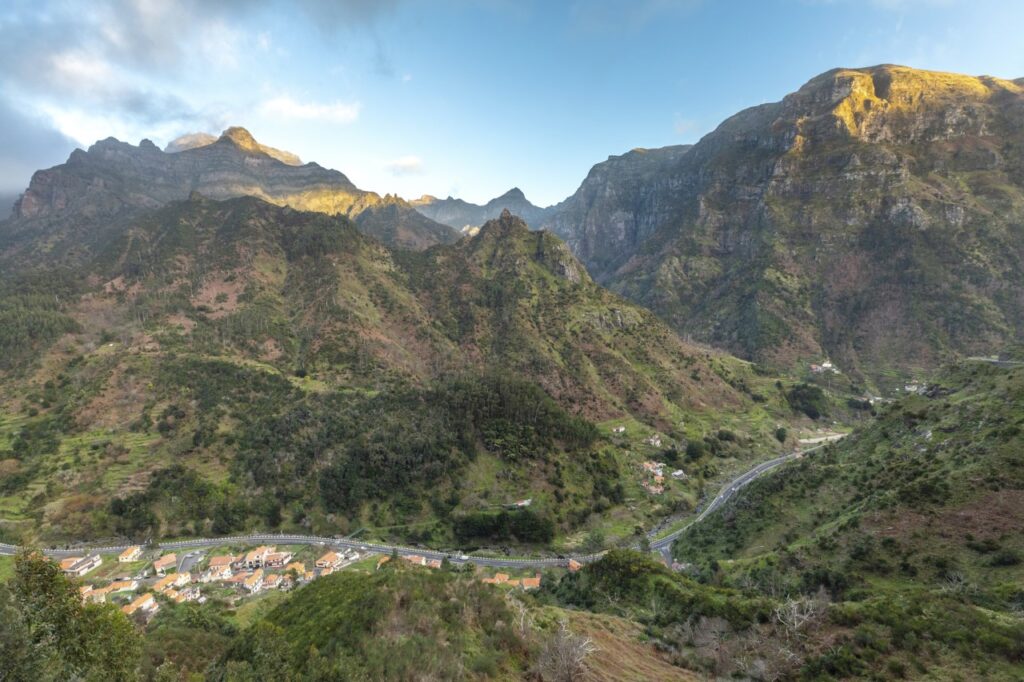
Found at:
(140, 580)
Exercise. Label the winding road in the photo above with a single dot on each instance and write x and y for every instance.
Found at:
(661, 544)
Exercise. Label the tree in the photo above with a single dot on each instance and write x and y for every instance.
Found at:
(564, 656)
(47, 633)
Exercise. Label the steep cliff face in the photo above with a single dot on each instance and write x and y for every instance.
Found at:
(464, 216)
(618, 206)
(113, 176)
(875, 216)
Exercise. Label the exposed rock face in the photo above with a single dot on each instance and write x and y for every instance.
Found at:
(619, 204)
(875, 216)
(241, 137)
(465, 216)
(113, 176)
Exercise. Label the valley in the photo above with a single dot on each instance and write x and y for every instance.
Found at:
(747, 408)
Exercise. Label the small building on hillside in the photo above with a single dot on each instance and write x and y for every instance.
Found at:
(219, 568)
(124, 585)
(145, 604)
(130, 554)
(531, 583)
(79, 566)
(298, 567)
(330, 560)
(257, 558)
(165, 562)
(254, 582)
(277, 559)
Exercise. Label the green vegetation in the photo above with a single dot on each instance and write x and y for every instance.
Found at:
(241, 366)
(909, 527)
(47, 634)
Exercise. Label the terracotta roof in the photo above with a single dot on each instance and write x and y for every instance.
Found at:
(221, 561)
(165, 582)
(131, 551)
(140, 602)
(166, 560)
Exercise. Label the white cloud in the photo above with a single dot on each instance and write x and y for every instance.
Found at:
(336, 112)
(406, 165)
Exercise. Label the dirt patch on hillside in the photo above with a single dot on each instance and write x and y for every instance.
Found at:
(220, 295)
(621, 654)
(988, 517)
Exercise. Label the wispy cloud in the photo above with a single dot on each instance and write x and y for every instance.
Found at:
(335, 112)
(406, 165)
(129, 68)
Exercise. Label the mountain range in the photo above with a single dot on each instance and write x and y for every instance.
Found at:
(465, 216)
(217, 339)
(875, 216)
(114, 177)
(336, 380)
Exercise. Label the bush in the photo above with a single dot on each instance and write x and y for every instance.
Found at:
(808, 399)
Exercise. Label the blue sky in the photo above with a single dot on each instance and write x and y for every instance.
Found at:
(453, 96)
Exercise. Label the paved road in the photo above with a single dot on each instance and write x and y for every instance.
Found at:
(727, 493)
(660, 544)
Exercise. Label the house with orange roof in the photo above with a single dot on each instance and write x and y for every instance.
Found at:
(277, 559)
(415, 560)
(79, 566)
(574, 565)
(434, 563)
(222, 560)
(498, 579)
(124, 585)
(165, 562)
(271, 581)
(330, 560)
(165, 583)
(257, 558)
(254, 582)
(131, 554)
(219, 568)
(145, 604)
(531, 583)
(298, 567)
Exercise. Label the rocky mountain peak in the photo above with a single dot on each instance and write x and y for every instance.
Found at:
(243, 139)
(894, 103)
(514, 194)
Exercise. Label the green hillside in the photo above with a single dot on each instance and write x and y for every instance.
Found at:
(210, 367)
(911, 525)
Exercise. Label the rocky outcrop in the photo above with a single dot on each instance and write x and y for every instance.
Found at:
(464, 216)
(241, 137)
(875, 216)
(618, 206)
(114, 176)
